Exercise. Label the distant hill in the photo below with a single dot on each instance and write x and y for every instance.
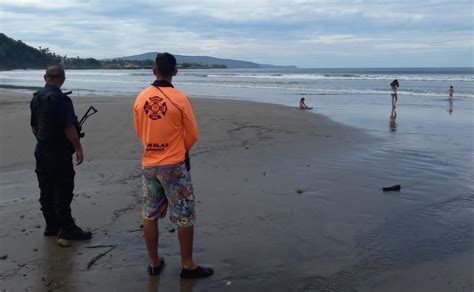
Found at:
(229, 63)
(18, 55)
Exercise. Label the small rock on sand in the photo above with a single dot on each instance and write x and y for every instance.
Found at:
(4, 257)
(300, 191)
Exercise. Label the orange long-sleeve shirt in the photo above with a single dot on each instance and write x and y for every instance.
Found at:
(166, 125)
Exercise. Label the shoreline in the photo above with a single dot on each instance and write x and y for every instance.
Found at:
(17, 99)
(253, 226)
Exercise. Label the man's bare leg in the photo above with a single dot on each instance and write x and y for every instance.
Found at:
(150, 230)
(185, 236)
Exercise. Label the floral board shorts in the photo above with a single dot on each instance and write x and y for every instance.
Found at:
(168, 185)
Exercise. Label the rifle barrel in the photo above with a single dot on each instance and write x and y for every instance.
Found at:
(86, 115)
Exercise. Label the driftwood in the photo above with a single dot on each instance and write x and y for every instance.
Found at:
(394, 188)
(94, 259)
(101, 245)
(135, 230)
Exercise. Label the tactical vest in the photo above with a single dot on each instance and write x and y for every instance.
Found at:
(48, 114)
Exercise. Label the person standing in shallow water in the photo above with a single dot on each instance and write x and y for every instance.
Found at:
(394, 86)
(451, 92)
(54, 125)
(165, 123)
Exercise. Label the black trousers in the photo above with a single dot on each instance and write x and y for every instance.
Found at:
(56, 182)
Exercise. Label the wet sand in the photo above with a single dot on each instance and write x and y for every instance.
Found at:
(342, 233)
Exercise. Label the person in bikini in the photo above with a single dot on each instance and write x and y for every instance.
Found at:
(394, 86)
(451, 92)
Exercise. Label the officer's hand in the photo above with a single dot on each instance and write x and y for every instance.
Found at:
(79, 157)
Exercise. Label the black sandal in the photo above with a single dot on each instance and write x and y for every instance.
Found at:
(198, 272)
(153, 271)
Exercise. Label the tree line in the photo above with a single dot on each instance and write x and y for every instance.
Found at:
(18, 55)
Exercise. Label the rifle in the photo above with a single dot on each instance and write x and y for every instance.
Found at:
(90, 111)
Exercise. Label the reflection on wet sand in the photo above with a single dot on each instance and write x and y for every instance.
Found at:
(57, 268)
(153, 284)
(450, 106)
(185, 285)
(393, 120)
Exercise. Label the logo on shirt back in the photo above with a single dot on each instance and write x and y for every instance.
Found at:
(154, 107)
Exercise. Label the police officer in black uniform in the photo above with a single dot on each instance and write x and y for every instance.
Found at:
(56, 129)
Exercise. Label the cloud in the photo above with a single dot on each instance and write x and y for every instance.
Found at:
(398, 46)
(52, 5)
(298, 11)
(452, 41)
(340, 38)
(408, 46)
(213, 46)
(259, 30)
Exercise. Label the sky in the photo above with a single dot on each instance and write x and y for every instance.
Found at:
(317, 34)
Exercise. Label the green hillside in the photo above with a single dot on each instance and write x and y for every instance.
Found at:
(17, 55)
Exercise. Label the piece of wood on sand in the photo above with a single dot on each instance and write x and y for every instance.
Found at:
(94, 259)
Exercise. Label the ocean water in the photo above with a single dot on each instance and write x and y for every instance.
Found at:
(273, 85)
(434, 133)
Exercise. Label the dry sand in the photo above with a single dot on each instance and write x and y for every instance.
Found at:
(253, 226)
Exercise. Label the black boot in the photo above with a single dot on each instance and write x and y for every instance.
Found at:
(51, 230)
(52, 226)
(74, 232)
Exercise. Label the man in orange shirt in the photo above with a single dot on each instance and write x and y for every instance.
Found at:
(165, 123)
